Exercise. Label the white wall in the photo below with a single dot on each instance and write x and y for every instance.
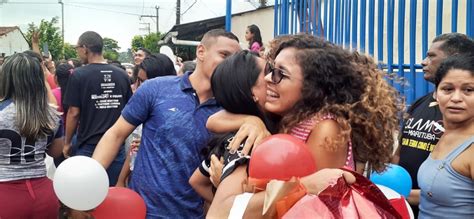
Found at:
(13, 42)
(263, 18)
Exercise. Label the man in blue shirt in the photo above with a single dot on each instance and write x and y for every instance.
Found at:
(173, 111)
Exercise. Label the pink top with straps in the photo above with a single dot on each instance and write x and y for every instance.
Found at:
(303, 129)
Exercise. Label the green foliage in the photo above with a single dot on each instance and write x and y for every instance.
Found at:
(149, 42)
(50, 34)
(137, 42)
(69, 51)
(126, 57)
(111, 48)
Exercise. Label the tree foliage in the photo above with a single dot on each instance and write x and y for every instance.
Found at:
(126, 57)
(111, 48)
(69, 51)
(149, 41)
(50, 34)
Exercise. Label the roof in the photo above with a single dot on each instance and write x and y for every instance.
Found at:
(5, 30)
(194, 31)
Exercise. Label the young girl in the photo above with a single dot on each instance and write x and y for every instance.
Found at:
(335, 101)
(252, 34)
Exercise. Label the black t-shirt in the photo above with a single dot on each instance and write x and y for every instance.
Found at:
(420, 133)
(100, 91)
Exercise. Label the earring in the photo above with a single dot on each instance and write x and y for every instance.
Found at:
(255, 99)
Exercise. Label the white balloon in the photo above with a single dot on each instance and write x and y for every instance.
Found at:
(81, 183)
(391, 194)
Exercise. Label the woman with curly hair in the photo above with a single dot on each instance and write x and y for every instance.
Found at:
(336, 101)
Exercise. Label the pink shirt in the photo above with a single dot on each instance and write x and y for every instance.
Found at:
(303, 129)
(255, 47)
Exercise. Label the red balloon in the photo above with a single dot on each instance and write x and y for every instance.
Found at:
(280, 157)
(121, 203)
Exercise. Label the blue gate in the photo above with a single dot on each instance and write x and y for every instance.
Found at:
(352, 24)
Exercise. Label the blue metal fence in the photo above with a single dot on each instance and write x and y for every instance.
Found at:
(353, 23)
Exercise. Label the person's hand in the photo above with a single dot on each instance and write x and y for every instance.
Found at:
(50, 65)
(317, 182)
(215, 171)
(35, 37)
(254, 130)
(67, 150)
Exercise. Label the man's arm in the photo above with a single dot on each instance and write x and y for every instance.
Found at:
(72, 117)
(110, 143)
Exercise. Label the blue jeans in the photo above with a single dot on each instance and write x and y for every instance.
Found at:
(115, 167)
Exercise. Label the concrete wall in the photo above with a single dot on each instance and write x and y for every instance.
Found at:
(13, 42)
(263, 18)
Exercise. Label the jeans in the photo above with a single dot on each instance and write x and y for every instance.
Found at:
(115, 167)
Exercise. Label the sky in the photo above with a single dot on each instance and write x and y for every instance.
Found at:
(116, 19)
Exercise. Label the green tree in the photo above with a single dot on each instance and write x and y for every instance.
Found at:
(111, 48)
(69, 51)
(126, 57)
(50, 34)
(137, 42)
(149, 41)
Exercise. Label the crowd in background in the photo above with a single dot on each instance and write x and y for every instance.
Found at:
(181, 134)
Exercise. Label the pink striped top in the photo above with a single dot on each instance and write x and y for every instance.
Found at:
(303, 129)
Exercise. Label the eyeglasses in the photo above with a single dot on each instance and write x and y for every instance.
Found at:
(277, 73)
(77, 47)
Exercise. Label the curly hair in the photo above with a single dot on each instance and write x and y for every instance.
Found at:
(376, 117)
(349, 86)
(274, 44)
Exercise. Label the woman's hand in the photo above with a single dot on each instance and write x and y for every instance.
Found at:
(317, 182)
(254, 130)
(215, 171)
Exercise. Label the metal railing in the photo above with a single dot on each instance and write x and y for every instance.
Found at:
(369, 26)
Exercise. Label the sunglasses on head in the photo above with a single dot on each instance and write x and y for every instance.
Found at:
(277, 73)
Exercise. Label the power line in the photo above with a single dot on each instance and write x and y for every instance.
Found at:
(36, 3)
(102, 9)
(189, 7)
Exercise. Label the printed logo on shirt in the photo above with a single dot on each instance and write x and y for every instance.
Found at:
(421, 133)
(20, 152)
(174, 109)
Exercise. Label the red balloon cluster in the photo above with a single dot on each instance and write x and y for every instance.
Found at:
(121, 203)
(280, 157)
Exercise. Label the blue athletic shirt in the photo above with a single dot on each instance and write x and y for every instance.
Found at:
(174, 132)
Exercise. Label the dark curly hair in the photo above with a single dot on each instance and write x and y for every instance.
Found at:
(349, 86)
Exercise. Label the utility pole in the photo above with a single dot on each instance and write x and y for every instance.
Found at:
(178, 12)
(157, 17)
(146, 28)
(62, 24)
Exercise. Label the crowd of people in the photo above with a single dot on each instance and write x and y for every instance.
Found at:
(182, 139)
